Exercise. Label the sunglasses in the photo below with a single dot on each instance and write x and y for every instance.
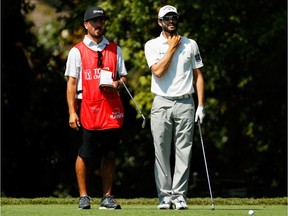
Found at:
(100, 59)
(174, 18)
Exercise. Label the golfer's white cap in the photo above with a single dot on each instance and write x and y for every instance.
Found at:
(166, 9)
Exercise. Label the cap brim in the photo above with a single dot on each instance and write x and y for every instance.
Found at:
(105, 17)
(171, 12)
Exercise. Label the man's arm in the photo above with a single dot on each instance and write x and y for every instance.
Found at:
(161, 67)
(199, 85)
(74, 120)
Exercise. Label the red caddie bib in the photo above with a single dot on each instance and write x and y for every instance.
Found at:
(100, 110)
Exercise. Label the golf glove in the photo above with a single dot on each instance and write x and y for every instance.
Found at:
(200, 113)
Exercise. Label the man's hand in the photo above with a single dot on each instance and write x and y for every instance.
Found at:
(109, 89)
(74, 121)
(173, 41)
(200, 113)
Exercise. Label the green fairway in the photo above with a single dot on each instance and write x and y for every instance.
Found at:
(71, 210)
(141, 206)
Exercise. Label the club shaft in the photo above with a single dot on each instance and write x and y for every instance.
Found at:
(206, 167)
(137, 107)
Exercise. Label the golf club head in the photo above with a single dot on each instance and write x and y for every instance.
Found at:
(144, 121)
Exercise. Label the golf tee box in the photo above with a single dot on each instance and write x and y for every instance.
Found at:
(106, 78)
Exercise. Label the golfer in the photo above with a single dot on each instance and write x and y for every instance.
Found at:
(176, 64)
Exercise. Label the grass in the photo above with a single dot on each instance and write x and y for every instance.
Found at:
(145, 207)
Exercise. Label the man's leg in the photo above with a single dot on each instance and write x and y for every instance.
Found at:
(161, 129)
(81, 168)
(184, 127)
(81, 174)
(109, 141)
(107, 172)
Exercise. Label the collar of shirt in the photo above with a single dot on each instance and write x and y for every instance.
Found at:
(95, 46)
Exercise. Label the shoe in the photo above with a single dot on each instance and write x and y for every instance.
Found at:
(180, 204)
(84, 202)
(108, 202)
(164, 205)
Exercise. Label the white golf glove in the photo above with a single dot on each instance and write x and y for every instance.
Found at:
(200, 113)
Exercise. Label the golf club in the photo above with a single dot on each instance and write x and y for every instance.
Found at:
(208, 179)
(144, 120)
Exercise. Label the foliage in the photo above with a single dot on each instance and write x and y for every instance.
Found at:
(245, 79)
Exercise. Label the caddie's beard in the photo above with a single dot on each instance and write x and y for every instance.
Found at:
(96, 36)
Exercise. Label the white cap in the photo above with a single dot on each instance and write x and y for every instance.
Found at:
(166, 9)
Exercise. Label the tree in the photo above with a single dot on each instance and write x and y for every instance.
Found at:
(244, 130)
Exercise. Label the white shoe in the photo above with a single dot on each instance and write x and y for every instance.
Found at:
(180, 204)
(164, 205)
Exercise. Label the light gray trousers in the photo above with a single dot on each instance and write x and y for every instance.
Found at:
(172, 123)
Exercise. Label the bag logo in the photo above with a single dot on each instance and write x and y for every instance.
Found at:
(116, 114)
